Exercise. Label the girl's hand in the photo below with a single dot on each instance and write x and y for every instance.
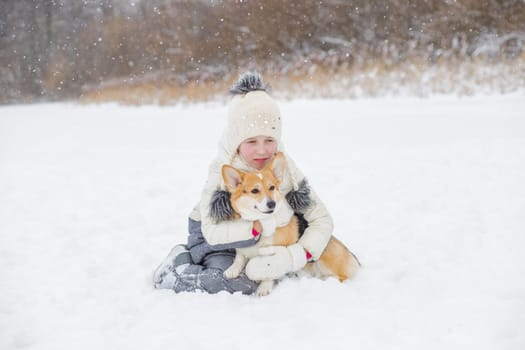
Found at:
(276, 262)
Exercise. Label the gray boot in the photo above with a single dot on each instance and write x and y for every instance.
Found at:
(166, 275)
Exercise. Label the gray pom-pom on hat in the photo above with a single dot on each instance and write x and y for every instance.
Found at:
(248, 82)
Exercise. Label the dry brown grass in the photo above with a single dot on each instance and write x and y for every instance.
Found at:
(313, 81)
(151, 93)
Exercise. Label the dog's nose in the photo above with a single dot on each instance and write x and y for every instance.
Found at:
(270, 204)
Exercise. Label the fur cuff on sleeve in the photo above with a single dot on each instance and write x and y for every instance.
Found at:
(300, 200)
(220, 206)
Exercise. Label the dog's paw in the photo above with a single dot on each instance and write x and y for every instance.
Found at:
(232, 272)
(262, 293)
(264, 288)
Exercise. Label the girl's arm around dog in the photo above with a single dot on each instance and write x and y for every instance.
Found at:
(320, 223)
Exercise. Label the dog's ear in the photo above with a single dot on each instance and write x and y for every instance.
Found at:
(278, 165)
(232, 177)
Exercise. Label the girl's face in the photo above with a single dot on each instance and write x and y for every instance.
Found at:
(257, 151)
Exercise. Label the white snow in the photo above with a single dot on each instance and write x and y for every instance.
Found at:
(429, 193)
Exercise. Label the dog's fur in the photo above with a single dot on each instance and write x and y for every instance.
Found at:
(255, 196)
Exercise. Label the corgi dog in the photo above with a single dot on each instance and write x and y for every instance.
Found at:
(255, 196)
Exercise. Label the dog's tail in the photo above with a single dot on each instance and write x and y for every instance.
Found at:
(337, 260)
(353, 264)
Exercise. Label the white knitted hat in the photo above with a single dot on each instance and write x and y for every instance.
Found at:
(252, 112)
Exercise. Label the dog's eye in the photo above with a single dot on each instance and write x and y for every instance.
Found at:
(254, 191)
(272, 188)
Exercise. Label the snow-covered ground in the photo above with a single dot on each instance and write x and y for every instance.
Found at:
(429, 193)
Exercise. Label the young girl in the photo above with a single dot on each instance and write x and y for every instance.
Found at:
(251, 138)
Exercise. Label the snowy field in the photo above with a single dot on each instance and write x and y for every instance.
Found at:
(429, 193)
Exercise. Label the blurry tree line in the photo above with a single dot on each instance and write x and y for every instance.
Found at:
(53, 49)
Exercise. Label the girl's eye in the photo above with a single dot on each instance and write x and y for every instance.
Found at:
(272, 188)
(255, 191)
(269, 140)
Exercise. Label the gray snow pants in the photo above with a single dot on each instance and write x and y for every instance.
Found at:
(207, 264)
